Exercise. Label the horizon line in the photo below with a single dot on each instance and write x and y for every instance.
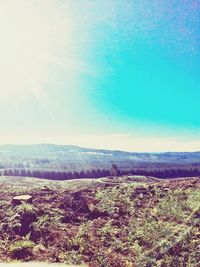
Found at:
(97, 148)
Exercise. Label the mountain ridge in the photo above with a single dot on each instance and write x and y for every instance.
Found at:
(9, 145)
(71, 157)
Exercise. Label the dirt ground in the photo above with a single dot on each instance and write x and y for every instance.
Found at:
(124, 221)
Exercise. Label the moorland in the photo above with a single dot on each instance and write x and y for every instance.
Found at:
(112, 221)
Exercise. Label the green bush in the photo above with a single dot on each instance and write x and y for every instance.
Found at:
(25, 215)
(22, 249)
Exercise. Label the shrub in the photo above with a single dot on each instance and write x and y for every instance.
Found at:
(26, 215)
(22, 249)
(40, 228)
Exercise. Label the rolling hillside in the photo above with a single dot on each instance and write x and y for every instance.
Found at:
(60, 157)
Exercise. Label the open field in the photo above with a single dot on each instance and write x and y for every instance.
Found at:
(124, 221)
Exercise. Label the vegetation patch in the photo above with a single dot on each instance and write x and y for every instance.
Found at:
(110, 222)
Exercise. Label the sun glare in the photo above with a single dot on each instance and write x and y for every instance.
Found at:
(27, 47)
(21, 44)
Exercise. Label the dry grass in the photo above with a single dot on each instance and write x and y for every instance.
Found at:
(113, 223)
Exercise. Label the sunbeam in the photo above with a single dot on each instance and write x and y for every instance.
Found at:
(33, 35)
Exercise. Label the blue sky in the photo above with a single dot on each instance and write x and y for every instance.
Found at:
(110, 73)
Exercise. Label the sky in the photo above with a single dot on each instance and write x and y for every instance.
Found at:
(115, 74)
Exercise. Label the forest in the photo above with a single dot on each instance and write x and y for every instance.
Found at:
(168, 172)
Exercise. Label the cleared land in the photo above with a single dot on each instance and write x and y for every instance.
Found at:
(125, 221)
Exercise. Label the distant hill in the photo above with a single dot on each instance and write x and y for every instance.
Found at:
(62, 157)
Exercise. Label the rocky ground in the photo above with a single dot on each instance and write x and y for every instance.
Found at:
(125, 221)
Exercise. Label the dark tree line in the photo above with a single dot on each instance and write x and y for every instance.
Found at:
(56, 175)
(172, 172)
(168, 172)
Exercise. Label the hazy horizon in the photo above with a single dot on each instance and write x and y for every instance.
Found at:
(106, 74)
(98, 147)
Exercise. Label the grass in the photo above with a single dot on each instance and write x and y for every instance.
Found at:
(36, 264)
(102, 223)
(22, 249)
